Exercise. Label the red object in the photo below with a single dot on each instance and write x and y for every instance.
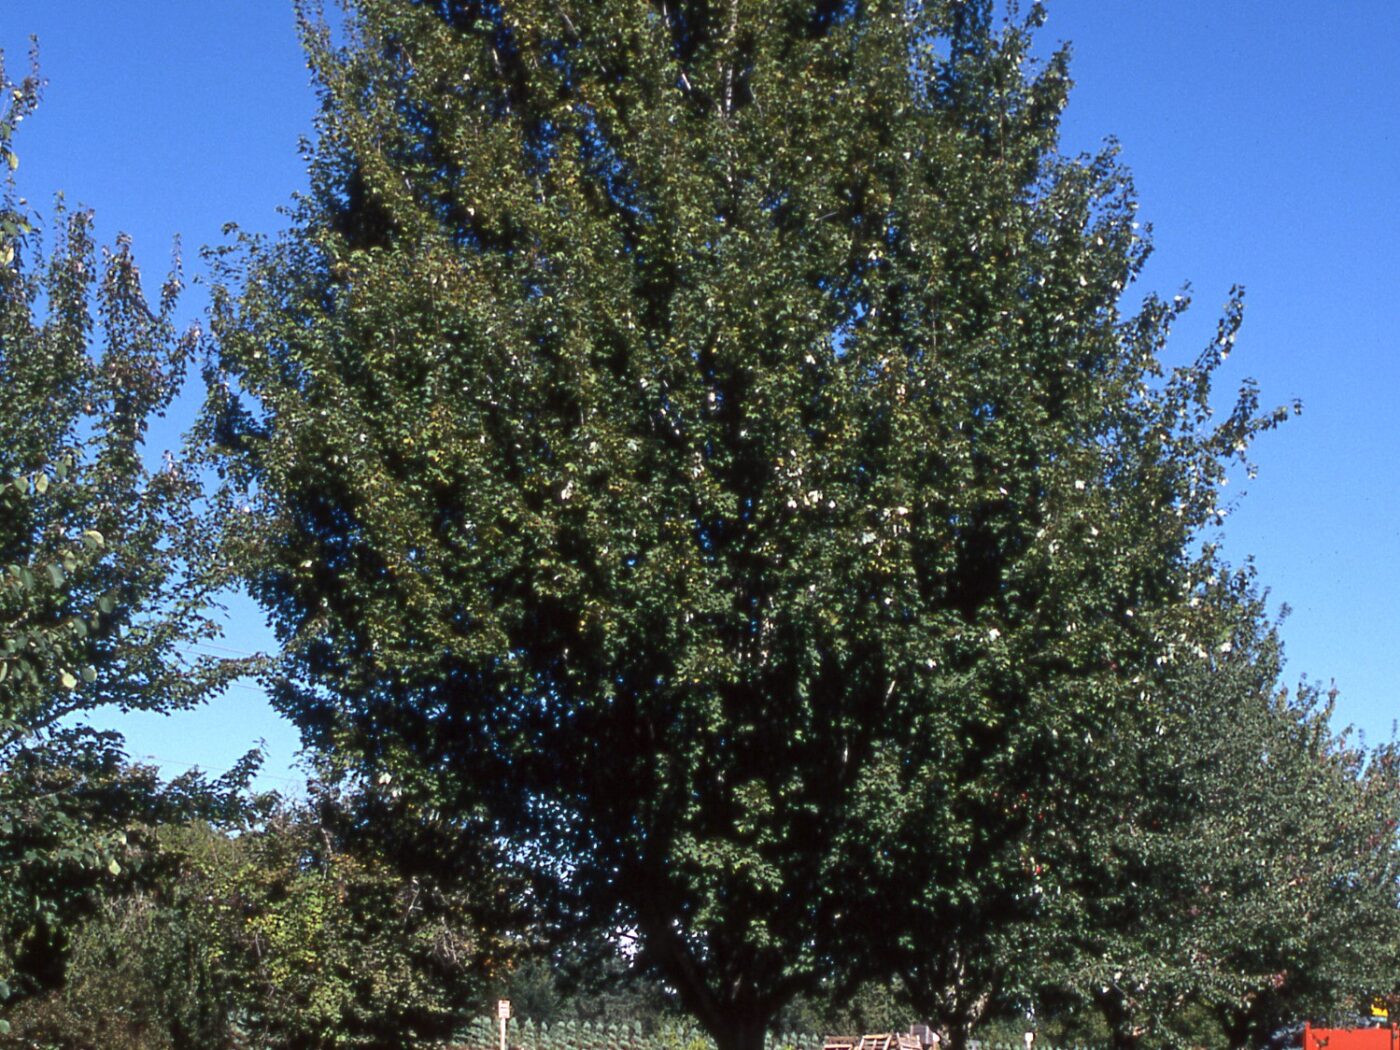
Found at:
(1387, 1038)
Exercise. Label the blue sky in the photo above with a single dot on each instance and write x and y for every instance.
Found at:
(1265, 142)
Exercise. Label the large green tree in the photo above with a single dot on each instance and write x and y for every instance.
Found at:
(694, 451)
(102, 593)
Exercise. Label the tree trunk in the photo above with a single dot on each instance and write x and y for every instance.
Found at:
(953, 1036)
(1124, 1033)
(1237, 1028)
(739, 1035)
(956, 1023)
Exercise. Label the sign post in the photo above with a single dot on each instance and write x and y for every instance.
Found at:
(503, 1013)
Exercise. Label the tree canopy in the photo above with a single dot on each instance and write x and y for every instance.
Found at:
(1243, 863)
(702, 454)
(732, 523)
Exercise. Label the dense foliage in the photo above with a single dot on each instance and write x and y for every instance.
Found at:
(697, 451)
(718, 499)
(286, 931)
(1243, 869)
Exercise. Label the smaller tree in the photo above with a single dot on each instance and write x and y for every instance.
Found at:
(1246, 863)
(331, 946)
(289, 930)
(102, 585)
(150, 984)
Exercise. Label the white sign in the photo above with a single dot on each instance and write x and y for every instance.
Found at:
(503, 1009)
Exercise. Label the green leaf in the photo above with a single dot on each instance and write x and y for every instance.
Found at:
(67, 680)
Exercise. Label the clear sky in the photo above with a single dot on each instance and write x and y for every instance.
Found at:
(1264, 136)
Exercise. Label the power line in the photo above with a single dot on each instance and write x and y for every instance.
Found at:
(187, 766)
(200, 646)
(247, 688)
